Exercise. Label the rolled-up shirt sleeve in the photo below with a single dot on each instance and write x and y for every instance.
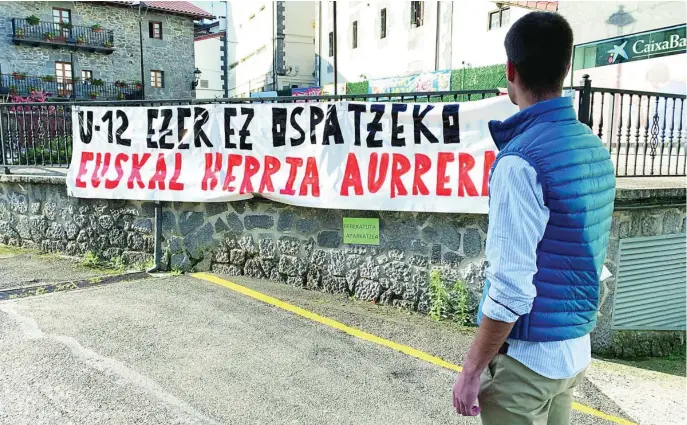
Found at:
(517, 221)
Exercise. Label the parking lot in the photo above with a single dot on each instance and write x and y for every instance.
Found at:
(210, 350)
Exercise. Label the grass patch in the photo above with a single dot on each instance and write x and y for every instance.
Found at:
(11, 250)
(674, 364)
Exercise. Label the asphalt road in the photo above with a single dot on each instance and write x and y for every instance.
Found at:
(178, 350)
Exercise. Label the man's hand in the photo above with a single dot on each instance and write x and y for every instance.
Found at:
(490, 335)
(465, 392)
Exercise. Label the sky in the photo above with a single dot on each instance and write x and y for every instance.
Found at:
(217, 8)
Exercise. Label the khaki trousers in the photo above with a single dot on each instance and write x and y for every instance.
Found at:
(513, 394)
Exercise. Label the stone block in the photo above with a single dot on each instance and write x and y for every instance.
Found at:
(190, 221)
(334, 284)
(472, 243)
(253, 269)
(106, 222)
(672, 222)
(307, 226)
(200, 241)
(247, 244)
(296, 281)
(19, 203)
(227, 270)
(142, 225)
(367, 290)
(258, 222)
(419, 261)
(220, 225)
(338, 263)
(234, 222)
(329, 239)
(313, 278)
(308, 246)
(369, 269)
(288, 245)
(237, 257)
(397, 271)
(134, 241)
(266, 247)
(214, 208)
(452, 258)
(285, 221)
(320, 258)
(292, 266)
(396, 255)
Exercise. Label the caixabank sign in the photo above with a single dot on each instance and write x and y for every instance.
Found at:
(633, 47)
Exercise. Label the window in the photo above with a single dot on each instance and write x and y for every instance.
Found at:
(233, 65)
(416, 13)
(203, 84)
(355, 34)
(499, 18)
(61, 17)
(63, 77)
(157, 79)
(155, 30)
(331, 44)
(382, 29)
(86, 75)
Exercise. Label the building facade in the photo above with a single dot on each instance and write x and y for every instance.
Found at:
(99, 50)
(637, 45)
(210, 56)
(388, 38)
(269, 46)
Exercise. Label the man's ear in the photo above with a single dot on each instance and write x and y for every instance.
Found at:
(510, 71)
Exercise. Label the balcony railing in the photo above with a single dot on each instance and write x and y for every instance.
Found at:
(57, 88)
(91, 38)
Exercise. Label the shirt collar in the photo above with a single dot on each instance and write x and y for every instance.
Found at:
(558, 109)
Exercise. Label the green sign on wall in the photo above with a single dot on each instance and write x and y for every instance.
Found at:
(628, 48)
(361, 231)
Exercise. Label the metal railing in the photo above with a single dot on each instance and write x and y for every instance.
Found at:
(64, 88)
(12, 84)
(74, 36)
(645, 132)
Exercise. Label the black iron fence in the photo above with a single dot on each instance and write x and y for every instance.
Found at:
(93, 37)
(68, 88)
(645, 132)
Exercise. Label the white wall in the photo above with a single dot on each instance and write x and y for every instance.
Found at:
(252, 30)
(209, 62)
(593, 21)
(463, 37)
(405, 50)
(473, 42)
(299, 37)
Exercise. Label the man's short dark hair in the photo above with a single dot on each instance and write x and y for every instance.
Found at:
(539, 45)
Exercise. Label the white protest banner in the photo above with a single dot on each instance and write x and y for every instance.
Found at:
(341, 155)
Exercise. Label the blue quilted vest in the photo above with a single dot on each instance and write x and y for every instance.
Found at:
(578, 183)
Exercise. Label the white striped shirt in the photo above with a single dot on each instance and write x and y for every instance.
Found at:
(517, 220)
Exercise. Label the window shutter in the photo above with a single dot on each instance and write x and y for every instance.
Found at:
(150, 29)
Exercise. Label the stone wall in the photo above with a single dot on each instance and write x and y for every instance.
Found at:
(303, 246)
(174, 54)
(648, 212)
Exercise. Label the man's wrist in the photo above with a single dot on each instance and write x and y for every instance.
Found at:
(470, 368)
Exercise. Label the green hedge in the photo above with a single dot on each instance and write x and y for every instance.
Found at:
(360, 87)
(479, 78)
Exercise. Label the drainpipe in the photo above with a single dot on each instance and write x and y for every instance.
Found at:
(436, 47)
(336, 68)
(140, 41)
(158, 238)
(274, 47)
(226, 51)
(319, 45)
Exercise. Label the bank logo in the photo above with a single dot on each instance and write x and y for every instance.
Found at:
(617, 51)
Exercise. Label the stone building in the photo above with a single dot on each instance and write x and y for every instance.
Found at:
(93, 49)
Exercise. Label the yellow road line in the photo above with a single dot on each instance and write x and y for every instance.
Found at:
(373, 338)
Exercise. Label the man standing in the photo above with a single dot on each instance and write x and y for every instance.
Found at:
(551, 199)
